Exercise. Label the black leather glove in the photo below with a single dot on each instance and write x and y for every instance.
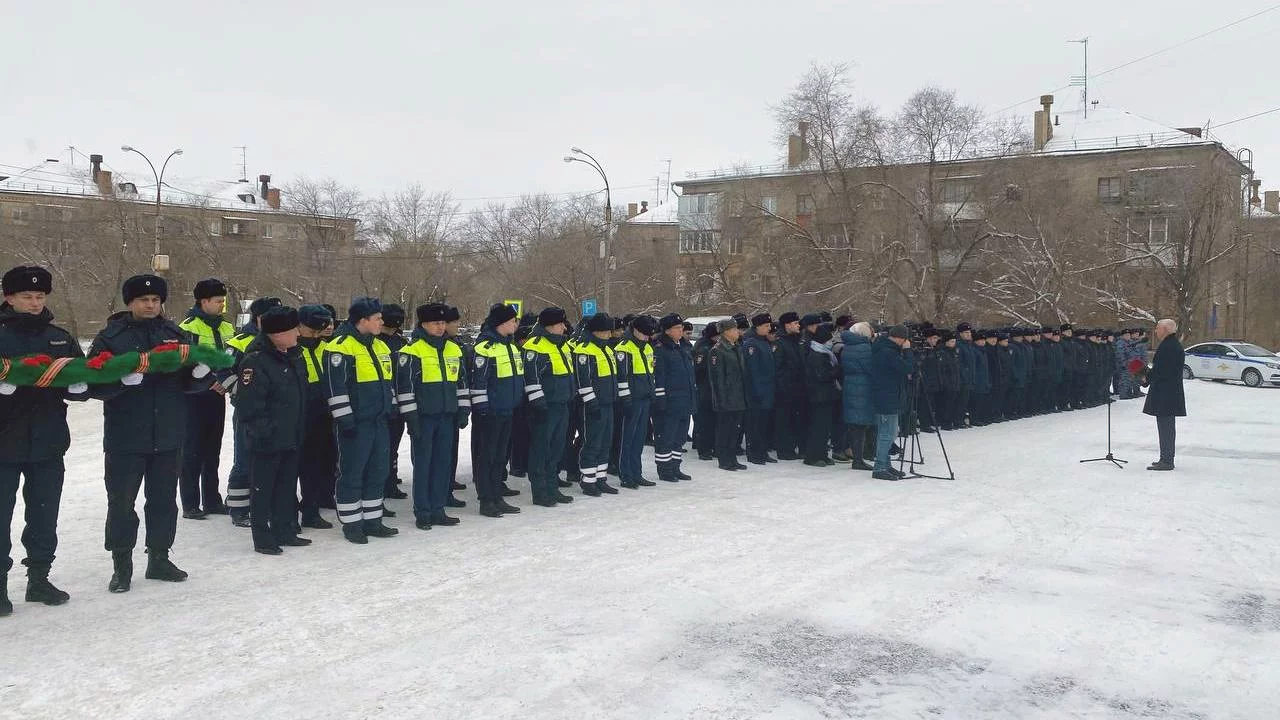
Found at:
(462, 420)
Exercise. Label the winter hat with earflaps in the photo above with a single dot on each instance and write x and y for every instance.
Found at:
(139, 285)
(27, 278)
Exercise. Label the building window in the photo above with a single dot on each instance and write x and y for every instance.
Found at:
(768, 284)
(267, 231)
(956, 191)
(1110, 189)
(735, 244)
(1158, 232)
(875, 197)
(20, 215)
(215, 227)
(769, 204)
(698, 204)
(697, 241)
(292, 232)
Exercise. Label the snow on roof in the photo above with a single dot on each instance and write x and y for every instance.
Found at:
(52, 177)
(1112, 129)
(664, 214)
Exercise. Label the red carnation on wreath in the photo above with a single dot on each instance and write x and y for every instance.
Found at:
(37, 360)
(97, 361)
(1137, 367)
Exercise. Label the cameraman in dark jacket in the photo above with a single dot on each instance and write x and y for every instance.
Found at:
(889, 370)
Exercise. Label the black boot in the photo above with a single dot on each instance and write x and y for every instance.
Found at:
(240, 519)
(40, 590)
(564, 483)
(218, 509)
(561, 498)
(195, 514)
(546, 502)
(396, 494)
(6, 607)
(316, 522)
(454, 502)
(509, 492)
(489, 509)
(680, 474)
(354, 533)
(122, 576)
(606, 488)
(505, 507)
(630, 484)
(645, 483)
(387, 512)
(294, 541)
(160, 568)
(591, 488)
(439, 518)
(860, 464)
(455, 486)
(376, 529)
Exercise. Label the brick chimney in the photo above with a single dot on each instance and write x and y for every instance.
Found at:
(632, 210)
(798, 146)
(95, 162)
(1271, 201)
(644, 206)
(273, 198)
(1044, 122)
(264, 182)
(103, 180)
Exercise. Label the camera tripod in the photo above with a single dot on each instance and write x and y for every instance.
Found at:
(909, 434)
(1109, 457)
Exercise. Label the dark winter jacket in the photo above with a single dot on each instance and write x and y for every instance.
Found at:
(762, 370)
(150, 417)
(1039, 361)
(33, 421)
(273, 397)
(358, 381)
(821, 376)
(1057, 362)
(981, 371)
(1020, 356)
(674, 372)
(596, 369)
(431, 378)
(930, 373)
(889, 369)
(635, 369)
(855, 364)
(497, 374)
(1165, 396)
(701, 364)
(727, 377)
(967, 354)
(1000, 366)
(948, 369)
(789, 362)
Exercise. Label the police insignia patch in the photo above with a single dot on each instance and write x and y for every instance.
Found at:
(404, 360)
(582, 359)
(529, 355)
(751, 351)
(335, 359)
(246, 376)
(622, 356)
(479, 362)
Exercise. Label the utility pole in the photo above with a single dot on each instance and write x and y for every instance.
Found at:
(244, 162)
(1083, 80)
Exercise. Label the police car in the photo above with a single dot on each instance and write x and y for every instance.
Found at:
(1224, 360)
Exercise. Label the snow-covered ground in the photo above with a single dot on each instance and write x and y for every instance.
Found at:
(1031, 587)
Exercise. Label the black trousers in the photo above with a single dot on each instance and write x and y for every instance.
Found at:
(704, 424)
(395, 428)
(819, 432)
(728, 426)
(757, 422)
(548, 429)
(788, 424)
(960, 407)
(491, 444)
(569, 459)
(858, 436)
(1166, 425)
(317, 466)
(615, 448)
(201, 446)
(272, 502)
(156, 474)
(42, 495)
(520, 439)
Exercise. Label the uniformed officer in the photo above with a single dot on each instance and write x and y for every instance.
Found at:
(359, 387)
(1057, 370)
(35, 434)
(520, 436)
(596, 368)
(452, 330)
(620, 326)
(392, 322)
(430, 379)
(967, 356)
(1001, 370)
(497, 388)
(930, 381)
(948, 380)
(675, 391)
(704, 419)
(788, 406)
(636, 388)
(207, 409)
(821, 373)
(272, 401)
(761, 381)
(549, 387)
(981, 381)
(144, 425)
(318, 459)
(238, 486)
(727, 378)
(1019, 357)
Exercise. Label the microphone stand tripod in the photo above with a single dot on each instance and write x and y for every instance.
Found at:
(1109, 457)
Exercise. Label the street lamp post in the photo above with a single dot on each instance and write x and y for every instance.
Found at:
(157, 263)
(606, 249)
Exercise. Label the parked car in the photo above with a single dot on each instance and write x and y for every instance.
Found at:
(1224, 360)
(699, 323)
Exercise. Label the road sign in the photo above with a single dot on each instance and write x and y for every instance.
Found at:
(588, 308)
(517, 305)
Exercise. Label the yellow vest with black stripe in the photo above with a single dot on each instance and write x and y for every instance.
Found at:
(606, 366)
(366, 369)
(205, 335)
(315, 363)
(641, 357)
(560, 356)
(241, 342)
(438, 387)
(507, 364)
(433, 370)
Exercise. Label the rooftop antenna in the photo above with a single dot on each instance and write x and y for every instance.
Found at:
(244, 162)
(668, 180)
(657, 189)
(1082, 80)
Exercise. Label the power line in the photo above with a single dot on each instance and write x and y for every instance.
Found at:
(1150, 55)
(1247, 117)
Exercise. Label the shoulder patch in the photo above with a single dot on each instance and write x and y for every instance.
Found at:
(582, 359)
(622, 356)
(528, 355)
(246, 376)
(479, 361)
(335, 359)
(404, 360)
(751, 349)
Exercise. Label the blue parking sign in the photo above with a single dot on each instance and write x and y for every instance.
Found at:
(588, 308)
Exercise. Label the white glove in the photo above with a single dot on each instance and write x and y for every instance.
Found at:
(132, 379)
(200, 370)
(78, 388)
(8, 389)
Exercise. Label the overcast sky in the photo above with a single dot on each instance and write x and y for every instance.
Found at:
(484, 98)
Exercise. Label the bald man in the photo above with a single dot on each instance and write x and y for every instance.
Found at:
(1165, 399)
